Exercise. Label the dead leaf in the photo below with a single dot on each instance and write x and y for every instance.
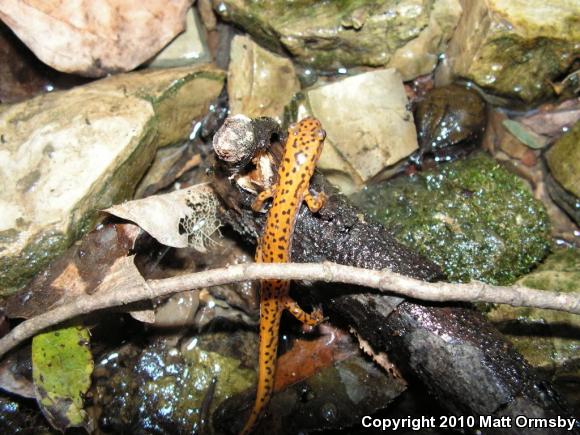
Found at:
(16, 375)
(552, 121)
(525, 135)
(180, 219)
(307, 357)
(95, 38)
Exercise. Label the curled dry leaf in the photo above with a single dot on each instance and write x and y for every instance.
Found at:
(553, 121)
(180, 219)
(95, 38)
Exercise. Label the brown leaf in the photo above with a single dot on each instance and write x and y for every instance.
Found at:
(552, 120)
(307, 357)
(95, 38)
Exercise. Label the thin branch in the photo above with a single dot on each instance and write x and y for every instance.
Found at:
(124, 285)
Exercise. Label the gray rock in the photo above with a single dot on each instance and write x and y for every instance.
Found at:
(360, 114)
(64, 156)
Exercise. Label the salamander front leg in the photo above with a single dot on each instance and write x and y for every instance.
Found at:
(313, 319)
(313, 202)
(262, 197)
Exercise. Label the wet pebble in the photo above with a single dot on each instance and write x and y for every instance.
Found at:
(450, 121)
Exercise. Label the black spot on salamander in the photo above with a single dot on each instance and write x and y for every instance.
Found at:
(294, 170)
(286, 159)
(280, 256)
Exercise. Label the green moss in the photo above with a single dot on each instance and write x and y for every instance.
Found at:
(560, 272)
(473, 218)
(171, 386)
(548, 339)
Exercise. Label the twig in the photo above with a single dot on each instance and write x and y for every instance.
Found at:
(124, 285)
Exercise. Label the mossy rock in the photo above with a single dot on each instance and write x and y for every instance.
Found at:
(516, 48)
(548, 339)
(564, 160)
(406, 34)
(473, 218)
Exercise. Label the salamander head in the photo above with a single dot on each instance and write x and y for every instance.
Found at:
(308, 137)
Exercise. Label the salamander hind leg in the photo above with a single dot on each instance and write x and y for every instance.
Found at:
(313, 319)
(313, 202)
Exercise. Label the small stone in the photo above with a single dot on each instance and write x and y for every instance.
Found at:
(564, 160)
(449, 118)
(260, 83)
(360, 114)
(187, 48)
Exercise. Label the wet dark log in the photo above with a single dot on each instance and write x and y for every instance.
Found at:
(460, 358)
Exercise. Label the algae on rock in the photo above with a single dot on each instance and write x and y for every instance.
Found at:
(546, 337)
(167, 387)
(473, 218)
(516, 47)
(563, 158)
(406, 34)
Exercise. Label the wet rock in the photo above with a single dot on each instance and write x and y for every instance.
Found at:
(187, 48)
(321, 383)
(260, 83)
(563, 159)
(515, 48)
(20, 417)
(548, 339)
(404, 34)
(337, 397)
(450, 120)
(69, 154)
(472, 217)
(360, 114)
(168, 387)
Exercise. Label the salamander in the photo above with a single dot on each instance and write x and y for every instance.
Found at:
(301, 152)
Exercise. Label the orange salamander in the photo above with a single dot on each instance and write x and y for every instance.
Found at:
(301, 152)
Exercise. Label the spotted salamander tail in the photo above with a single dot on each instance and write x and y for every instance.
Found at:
(271, 309)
